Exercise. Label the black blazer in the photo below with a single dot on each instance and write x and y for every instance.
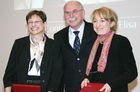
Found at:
(75, 65)
(121, 66)
(17, 67)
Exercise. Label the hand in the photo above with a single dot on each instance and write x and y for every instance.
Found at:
(84, 83)
(7, 89)
(106, 87)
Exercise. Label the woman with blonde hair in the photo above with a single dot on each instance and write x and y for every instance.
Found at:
(111, 60)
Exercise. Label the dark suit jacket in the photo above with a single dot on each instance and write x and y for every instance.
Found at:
(121, 67)
(75, 65)
(17, 67)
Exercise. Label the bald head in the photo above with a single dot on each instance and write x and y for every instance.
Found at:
(77, 3)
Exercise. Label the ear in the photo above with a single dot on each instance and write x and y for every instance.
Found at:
(112, 24)
(83, 12)
(45, 23)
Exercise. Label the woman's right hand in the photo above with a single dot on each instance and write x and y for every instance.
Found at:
(7, 89)
(84, 83)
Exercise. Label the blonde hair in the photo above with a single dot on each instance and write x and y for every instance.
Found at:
(108, 14)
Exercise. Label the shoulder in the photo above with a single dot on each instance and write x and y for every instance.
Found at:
(22, 39)
(88, 24)
(62, 31)
(49, 40)
(89, 31)
(121, 40)
(19, 44)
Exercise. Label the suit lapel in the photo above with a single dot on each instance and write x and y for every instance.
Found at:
(25, 56)
(88, 36)
(27, 53)
(66, 40)
(46, 51)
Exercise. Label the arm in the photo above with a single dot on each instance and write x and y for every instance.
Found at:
(10, 72)
(57, 69)
(128, 66)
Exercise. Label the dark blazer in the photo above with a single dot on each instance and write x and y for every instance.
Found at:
(17, 67)
(121, 66)
(75, 65)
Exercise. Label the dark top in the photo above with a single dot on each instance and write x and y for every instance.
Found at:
(96, 76)
(17, 67)
(121, 67)
(75, 65)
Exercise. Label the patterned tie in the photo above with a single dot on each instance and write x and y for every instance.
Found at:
(76, 45)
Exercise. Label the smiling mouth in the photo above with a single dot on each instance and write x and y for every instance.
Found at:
(34, 28)
(99, 29)
(72, 19)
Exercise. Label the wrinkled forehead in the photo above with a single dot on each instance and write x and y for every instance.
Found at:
(71, 6)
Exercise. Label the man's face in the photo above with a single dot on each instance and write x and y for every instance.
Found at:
(74, 15)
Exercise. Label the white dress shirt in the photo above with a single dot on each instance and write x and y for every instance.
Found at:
(33, 71)
(72, 35)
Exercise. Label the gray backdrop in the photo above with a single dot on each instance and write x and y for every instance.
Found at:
(13, 24)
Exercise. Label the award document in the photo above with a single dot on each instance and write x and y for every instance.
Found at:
(25, 88)
(93, 87)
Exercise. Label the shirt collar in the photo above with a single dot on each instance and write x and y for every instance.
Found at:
(80, 29)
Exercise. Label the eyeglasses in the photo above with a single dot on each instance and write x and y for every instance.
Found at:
(35, 22)
(73, 12)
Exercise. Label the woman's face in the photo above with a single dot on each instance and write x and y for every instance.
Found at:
(35, 25)
(101, 26)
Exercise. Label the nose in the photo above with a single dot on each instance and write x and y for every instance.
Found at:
(34, 23)
(71, 14)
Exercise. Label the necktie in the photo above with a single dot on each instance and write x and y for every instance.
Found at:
(76, 45)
